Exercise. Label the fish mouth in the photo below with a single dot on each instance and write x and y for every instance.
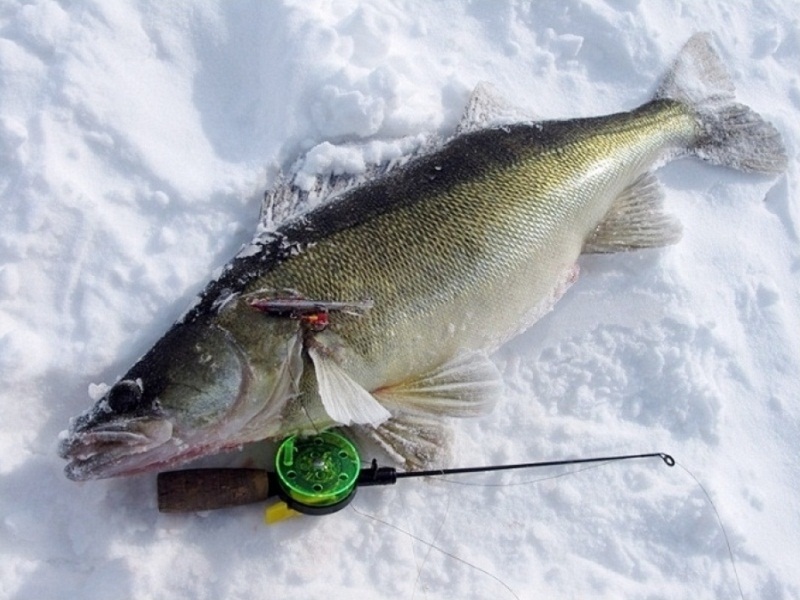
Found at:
(117, 449)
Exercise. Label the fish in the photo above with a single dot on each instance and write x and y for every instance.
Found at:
(377, 309)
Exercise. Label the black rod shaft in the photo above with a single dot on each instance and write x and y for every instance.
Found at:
(668, 460)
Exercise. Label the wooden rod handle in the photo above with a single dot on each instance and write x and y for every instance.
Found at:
(209, 489)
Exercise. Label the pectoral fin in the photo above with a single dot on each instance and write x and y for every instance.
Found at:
(636, 220)
(467, 386)
(344, 400)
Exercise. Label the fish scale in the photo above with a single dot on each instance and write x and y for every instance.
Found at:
(481, 242)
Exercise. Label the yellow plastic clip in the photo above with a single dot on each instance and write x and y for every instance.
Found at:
(277, 512)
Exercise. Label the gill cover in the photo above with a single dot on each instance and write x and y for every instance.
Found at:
(194, 373)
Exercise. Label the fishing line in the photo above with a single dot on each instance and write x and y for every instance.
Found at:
(597, 466)
(437, 548)
(315, 428)
(721, 526)
(433, 546)
(430, 547)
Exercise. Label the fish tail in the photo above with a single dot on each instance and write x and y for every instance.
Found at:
(730, 133)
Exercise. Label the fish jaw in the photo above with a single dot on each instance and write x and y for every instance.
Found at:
(98, 448)
(119, 448)
(144, 446)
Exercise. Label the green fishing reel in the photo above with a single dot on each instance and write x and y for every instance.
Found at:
(317, 475)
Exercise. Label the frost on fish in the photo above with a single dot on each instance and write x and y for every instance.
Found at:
(488, 108)
(328, 170)
(371, 299)
(732, 134)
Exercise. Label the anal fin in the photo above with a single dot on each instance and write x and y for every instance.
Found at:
(467, 386)
(414, 441)
(635, 220)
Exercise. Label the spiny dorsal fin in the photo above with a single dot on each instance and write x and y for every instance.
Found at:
(345, 401)
(328, 170)
(467, 386)
(636, 220)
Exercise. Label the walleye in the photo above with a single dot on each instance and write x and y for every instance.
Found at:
(377, 309)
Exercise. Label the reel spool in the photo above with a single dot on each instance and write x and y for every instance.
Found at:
(317, 475)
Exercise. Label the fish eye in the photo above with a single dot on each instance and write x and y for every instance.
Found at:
(124, 396)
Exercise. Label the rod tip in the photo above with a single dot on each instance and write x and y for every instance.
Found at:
(668, 460)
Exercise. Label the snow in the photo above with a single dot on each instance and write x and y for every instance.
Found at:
(137, 139)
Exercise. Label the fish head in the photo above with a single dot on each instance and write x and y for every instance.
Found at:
(200, 390)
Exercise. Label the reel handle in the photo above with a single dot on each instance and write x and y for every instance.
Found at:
(209, 489)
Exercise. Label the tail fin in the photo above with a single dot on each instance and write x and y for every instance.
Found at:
(731, 133)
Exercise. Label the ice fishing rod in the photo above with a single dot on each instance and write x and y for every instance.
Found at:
(315, 475)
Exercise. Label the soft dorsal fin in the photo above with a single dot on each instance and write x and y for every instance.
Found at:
(636, 219)
(467, 386)
(345, 401)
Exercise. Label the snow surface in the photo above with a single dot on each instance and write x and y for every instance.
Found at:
(137, 139)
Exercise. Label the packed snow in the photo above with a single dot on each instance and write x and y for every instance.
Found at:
(137, 140)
